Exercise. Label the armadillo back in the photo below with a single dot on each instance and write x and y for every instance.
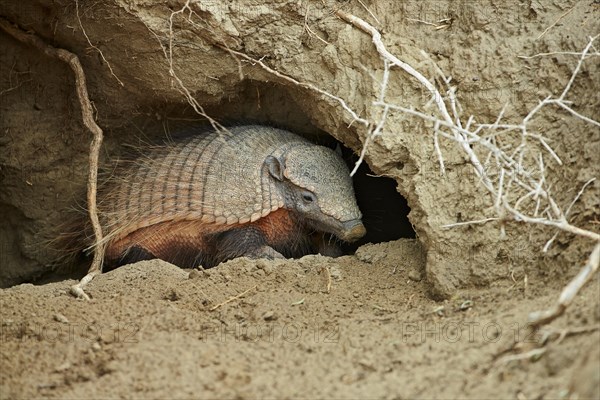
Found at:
(214, 178)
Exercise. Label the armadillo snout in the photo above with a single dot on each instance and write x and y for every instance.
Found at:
(353, 230)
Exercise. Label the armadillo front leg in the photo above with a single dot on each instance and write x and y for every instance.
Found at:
(248, 241)
(265, 252)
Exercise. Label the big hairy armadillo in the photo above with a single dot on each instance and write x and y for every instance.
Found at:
(250, 191)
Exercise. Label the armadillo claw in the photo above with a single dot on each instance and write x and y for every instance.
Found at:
(265, 252)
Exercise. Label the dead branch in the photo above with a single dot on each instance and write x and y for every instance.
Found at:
(436, 96)
(308, 30)
(168, 51)
(555, 22)
(529, 355)
(540, 318)
(369, 11)
(88, 119)
(550, 333)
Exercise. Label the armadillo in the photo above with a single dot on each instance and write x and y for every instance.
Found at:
(252, 191)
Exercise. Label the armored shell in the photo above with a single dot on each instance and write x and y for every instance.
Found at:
(219, 179)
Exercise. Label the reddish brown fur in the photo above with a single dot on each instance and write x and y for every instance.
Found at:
(278, 227)
(178, 241)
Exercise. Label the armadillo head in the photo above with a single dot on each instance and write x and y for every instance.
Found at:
(316, 183)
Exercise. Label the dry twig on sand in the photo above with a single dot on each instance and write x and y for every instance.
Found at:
(229, 300)
(567, 295)
(88, 119)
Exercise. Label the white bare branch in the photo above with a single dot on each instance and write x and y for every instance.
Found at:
(569, 292)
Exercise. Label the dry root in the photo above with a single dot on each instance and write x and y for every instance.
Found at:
(88, 119)
(540, 318)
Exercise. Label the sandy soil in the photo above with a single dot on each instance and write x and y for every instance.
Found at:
(153, 330)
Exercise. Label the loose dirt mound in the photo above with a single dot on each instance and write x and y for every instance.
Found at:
(152, 331)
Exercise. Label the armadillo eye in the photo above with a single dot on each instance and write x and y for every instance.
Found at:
(308, 197)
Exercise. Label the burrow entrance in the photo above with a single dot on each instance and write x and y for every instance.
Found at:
(385, 211)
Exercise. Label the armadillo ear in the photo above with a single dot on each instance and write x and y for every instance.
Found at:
(275, 167)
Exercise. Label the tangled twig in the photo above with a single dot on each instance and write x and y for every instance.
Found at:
(88, 119)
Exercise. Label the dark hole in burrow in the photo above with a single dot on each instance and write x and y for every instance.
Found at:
(385, 211)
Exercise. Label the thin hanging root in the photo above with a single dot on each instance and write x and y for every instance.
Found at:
(88, 119)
